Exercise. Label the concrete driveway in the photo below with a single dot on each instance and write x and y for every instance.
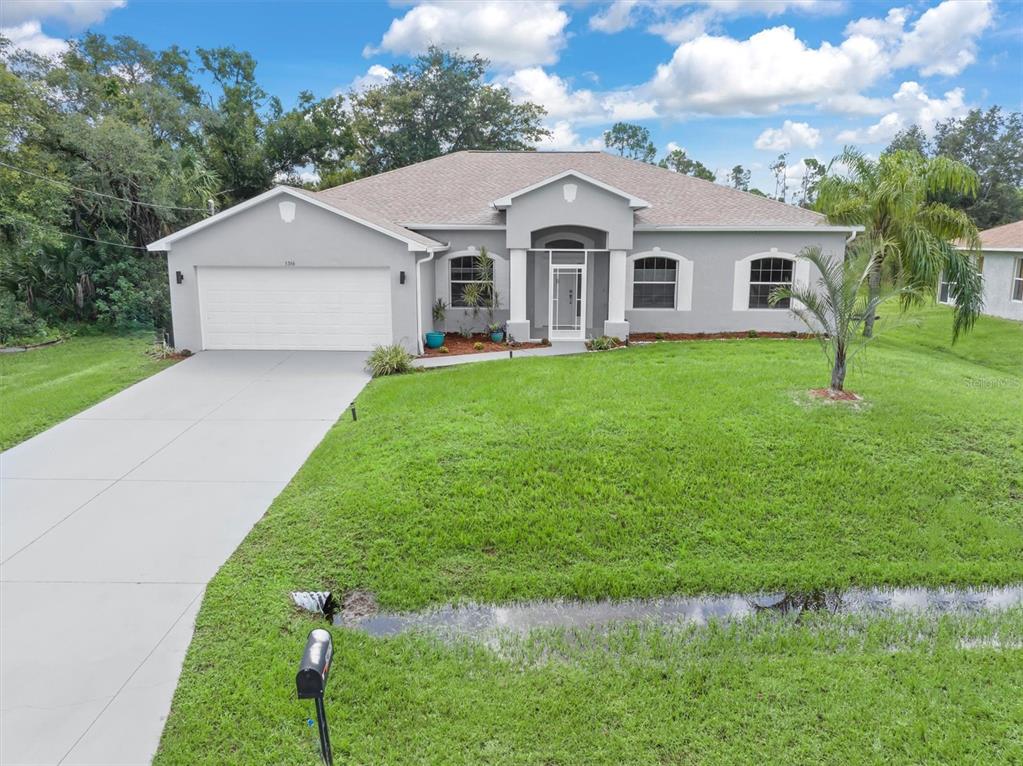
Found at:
(112, 523)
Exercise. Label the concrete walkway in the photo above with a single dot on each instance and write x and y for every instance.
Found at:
(560, 348)
(112, 523)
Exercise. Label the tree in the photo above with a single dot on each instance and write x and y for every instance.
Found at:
(779, 168)
(911, 139)
(677, 161)
(911, 236)
(837, 306)
(991, 143)
(739, 178)
(439, 104)
(813, 172)
(632, 141)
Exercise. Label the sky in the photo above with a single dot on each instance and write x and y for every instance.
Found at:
(731, 82)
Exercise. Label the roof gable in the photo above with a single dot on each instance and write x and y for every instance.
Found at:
(633, 201)
(351, 211)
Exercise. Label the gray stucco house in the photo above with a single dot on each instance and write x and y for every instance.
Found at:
(1001, 264)
(583, 244)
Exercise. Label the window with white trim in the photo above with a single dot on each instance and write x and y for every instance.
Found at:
(464, 270)
(765, 275)
(945, 290)
(1017, 280)
(654, 282)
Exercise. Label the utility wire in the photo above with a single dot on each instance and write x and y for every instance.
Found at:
(100, 194)
(76, 236)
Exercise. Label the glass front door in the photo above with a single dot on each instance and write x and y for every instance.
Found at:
(568, 306)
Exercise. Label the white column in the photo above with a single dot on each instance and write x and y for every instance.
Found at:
(518, 285)
(518, 324)
(616, 287)
(616, 325)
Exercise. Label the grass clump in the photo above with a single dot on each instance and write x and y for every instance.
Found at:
(389, 360)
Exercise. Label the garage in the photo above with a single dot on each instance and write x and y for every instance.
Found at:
(337, 309)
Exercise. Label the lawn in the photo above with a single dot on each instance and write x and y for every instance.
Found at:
(42, 387)
(675, 467)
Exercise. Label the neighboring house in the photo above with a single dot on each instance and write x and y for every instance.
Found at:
(1001, 263)
(583, 244)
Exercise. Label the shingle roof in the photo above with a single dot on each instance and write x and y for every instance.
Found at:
(355, 210)
(1008, 237)
(459, 189)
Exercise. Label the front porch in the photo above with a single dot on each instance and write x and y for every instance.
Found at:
(566, 293)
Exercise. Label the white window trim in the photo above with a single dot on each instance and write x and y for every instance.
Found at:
(741, 283)
(683, 280)
(1016, 276)
(943, 281)
(587, 242)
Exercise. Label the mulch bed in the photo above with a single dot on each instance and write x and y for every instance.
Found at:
(456, 344)
(646, 337)
(835, 396)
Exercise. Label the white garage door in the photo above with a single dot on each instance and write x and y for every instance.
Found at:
(295, 308)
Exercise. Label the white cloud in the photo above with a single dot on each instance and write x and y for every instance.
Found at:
(553, 94)
(563, 137)
(30, 36)
(944, 39)
(771, 69)
(377, 74)
(614, 18)
(708, 17)
(909, 105)
(517, 34)
(790, 134)
(889, 29)
(77, 14)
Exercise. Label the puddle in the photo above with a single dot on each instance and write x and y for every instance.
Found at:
(358, 609)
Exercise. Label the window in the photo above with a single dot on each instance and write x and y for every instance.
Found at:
(765, 275)
(563, 244)
(1017, 280)
(945, 291)
(653, 283)
(465, 271)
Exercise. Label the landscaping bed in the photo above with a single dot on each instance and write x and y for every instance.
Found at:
(458, 344)
(647, 337)
(660, 469)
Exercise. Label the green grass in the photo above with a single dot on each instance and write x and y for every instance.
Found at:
(669, 468)
(42, 387)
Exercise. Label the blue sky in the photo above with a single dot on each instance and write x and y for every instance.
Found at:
(733, 81)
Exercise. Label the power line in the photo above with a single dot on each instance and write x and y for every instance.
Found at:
(75, 236)
(100, 194)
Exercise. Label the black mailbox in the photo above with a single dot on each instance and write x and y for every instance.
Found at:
(312, 673)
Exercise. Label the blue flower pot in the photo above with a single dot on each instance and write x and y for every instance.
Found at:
(434, 339)
(497, 337)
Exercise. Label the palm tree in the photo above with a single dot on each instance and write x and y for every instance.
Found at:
(838, 305)
(913, 236)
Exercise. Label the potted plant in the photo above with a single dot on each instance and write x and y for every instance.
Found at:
(435, 338)
(496, 332)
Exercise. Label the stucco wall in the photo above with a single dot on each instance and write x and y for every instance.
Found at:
(257, 237)
(592, 207)
(998, 273)
(714, 256)
(465, 243)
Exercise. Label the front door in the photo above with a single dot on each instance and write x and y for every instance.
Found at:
(568, 302)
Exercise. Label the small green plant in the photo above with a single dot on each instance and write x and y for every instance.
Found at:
(604, 343)
(660, 335)
(17, 322)
(389, 360)
(440, 309)
(545, 341)
(465, 332)
(442, 350)
(478, 346)
(752, 334)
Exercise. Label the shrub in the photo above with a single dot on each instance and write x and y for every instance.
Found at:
(17, 321)
(478, 346)
(389, 360)
(440, 309)
(604, 343)
(443, 349)
(660, 335)
(752, 334)
(545, 341)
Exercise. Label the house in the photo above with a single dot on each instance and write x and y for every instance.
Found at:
(1001, 263)
(583, 244)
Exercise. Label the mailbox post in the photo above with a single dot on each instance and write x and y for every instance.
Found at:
(312, 680)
